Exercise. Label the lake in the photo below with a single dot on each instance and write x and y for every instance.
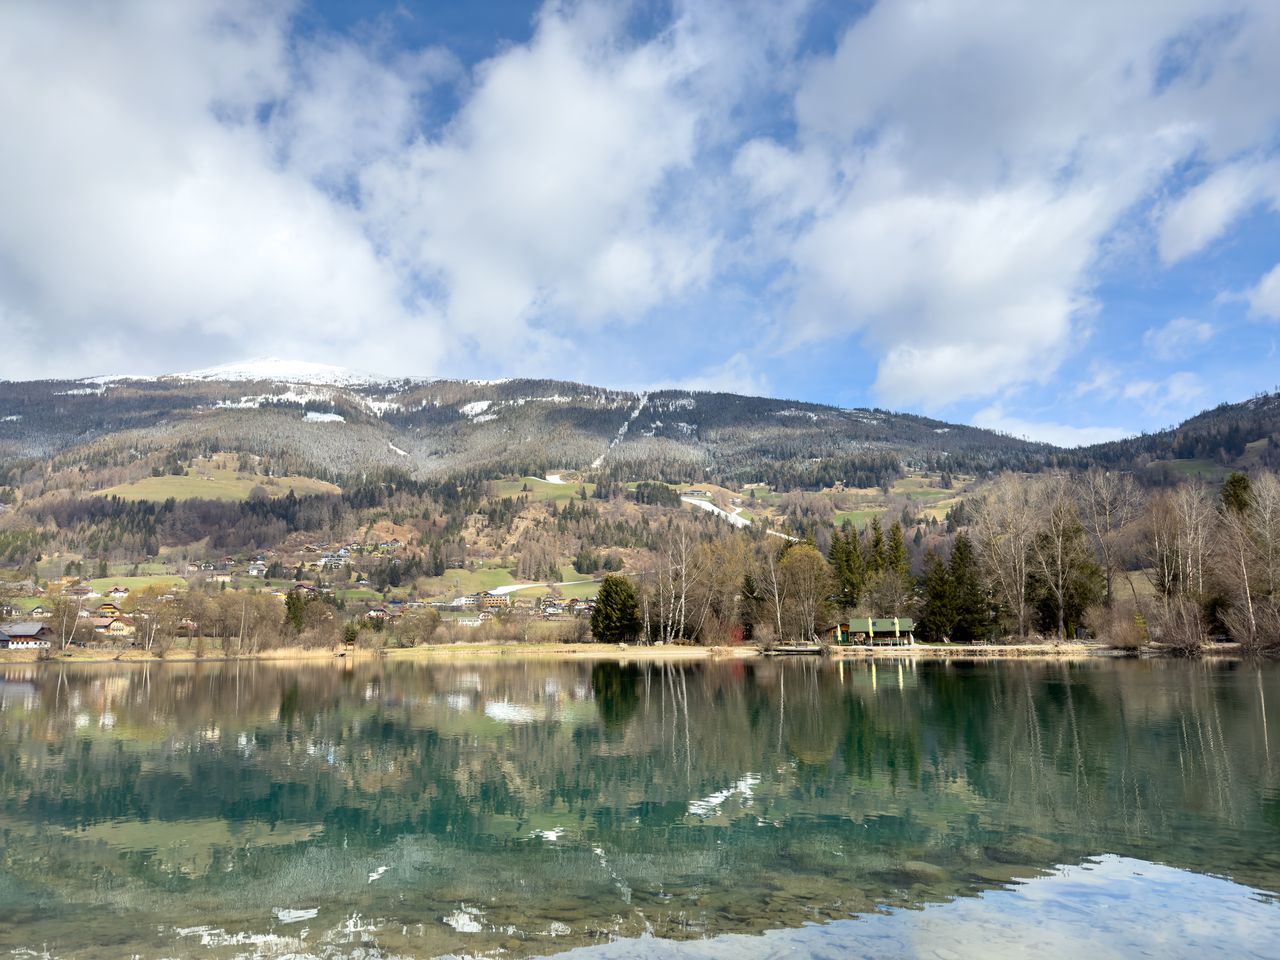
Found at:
(712, 809)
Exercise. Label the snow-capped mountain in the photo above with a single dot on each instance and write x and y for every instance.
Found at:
(283, 371)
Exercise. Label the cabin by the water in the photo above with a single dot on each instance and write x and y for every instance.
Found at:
(871, 631)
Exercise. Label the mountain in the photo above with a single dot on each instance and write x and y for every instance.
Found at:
(331, 422)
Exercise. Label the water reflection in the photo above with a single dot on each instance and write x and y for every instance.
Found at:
(530, 806)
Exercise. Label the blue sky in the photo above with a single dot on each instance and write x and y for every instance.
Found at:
(1055, 219)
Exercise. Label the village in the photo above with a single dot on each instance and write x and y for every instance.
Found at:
(75, 612)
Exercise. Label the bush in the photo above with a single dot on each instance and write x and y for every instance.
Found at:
(1118, 627)
(1181, 627)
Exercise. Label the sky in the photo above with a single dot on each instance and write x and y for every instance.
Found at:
(1056, 219)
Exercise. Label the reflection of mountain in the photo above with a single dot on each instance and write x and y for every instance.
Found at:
(690, 798)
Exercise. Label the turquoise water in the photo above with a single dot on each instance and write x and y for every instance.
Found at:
(722, 809)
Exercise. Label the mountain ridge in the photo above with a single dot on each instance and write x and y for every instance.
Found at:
(333, 421)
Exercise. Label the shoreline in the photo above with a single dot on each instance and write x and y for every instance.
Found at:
(629, 652)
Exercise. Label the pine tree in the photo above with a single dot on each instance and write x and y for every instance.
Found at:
(896, 552)
(940, 612)
(847, 566)
(972, 607)
(616, 618)
(875, 548)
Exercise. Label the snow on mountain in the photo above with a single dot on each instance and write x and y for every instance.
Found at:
(283, 371)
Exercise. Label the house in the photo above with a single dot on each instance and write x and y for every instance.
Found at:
(493, 601)
(257, 569)
(107, 610)
(111, 626)
(866, 630)
(40, 612)
(26, 635)
(377, 613)
(118, 592)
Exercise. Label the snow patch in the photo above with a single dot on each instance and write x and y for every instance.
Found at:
(286, 371)
(313, 416)
(475, 408)
(83, 392)
(710, 507)
(11, 418)
(395, 449)
(485, 418)
(377, 874)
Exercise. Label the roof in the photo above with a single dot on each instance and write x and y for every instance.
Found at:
(24, 628)
(863, 625)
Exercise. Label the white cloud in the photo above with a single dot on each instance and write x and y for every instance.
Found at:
(145, 219)
(1264, 299)
(1178, 338)
(980, 156)
(736, 374)
(1175, 397)
(1059, 434)
(1203, 214)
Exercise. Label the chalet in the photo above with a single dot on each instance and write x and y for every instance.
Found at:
(106, 610)
(378, 613)
(111, 626)
(40, 612)
(118, 593)
(866, 630)
(25, 635)
(257, 569)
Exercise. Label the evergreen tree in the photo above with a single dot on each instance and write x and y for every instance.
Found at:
(616, 618)
(847, 566)
(294, 606)
(940, 611)
(896, 552)
(1235, 493)
(972, 609)
(875, 548)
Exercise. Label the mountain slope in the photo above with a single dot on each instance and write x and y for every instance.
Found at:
(337, 422)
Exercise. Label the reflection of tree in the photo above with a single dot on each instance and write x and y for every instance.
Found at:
(616, 693)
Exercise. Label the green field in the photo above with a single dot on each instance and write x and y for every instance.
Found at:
(215, 485)
(1205, 469)
(165, 581)
(463, 582)
(860, 518)
(539, 490)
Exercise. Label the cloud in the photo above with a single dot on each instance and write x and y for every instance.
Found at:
(1176, 396)
(736, 374)
(1264, 299)
(146, 220)
(1059, 434)
(1177, 339)
(1203, 214)
(958, 169)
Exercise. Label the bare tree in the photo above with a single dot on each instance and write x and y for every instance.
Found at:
(1057, 547)
(1004, 525)
(1110, 503)
(807, 579)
